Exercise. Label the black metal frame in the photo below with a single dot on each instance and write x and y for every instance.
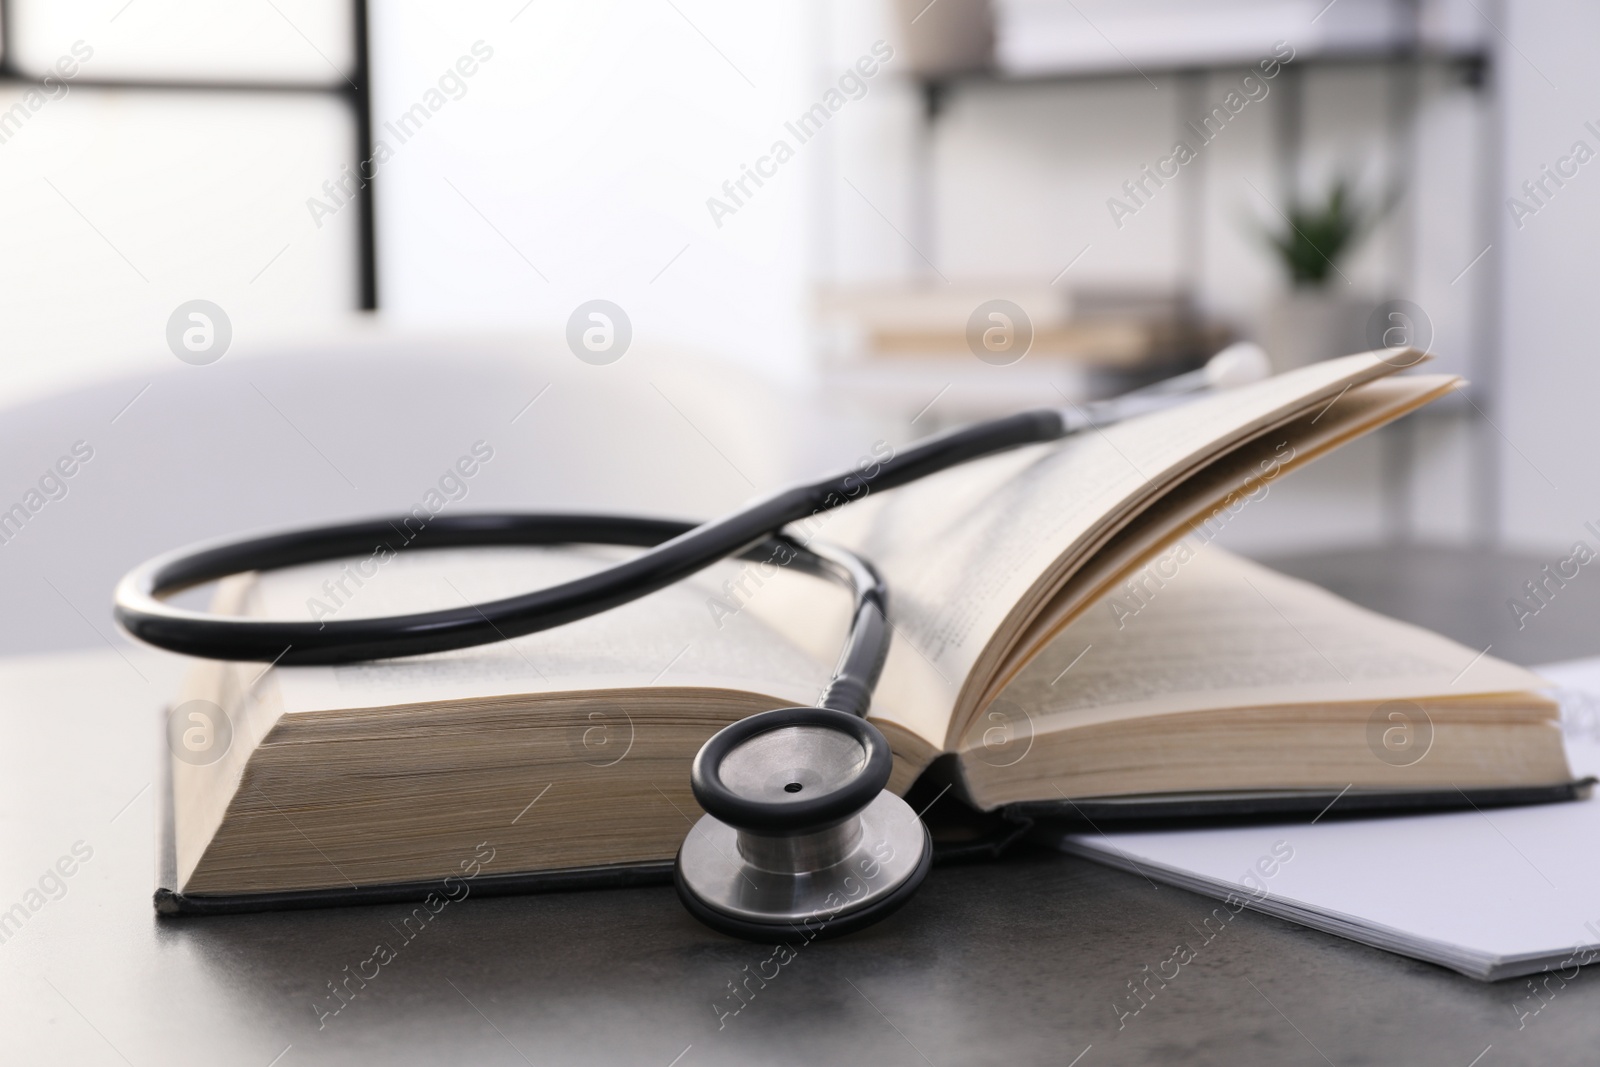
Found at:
(936, 89)
(356, 90)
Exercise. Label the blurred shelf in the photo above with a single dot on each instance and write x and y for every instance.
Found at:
(937, 391)
(1108, 344)
(895, 347)
(1472, 63)
(1033, 42)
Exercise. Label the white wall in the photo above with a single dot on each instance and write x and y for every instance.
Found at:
(1551, 368)
(586, 148)
(578, 164)
(117, 207)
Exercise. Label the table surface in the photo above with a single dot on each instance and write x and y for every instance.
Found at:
(1017, 961)
(1014, 962)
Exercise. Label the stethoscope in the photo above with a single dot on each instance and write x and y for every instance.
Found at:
(800, 835)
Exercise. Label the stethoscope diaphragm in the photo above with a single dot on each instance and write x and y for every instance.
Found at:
(800, 837)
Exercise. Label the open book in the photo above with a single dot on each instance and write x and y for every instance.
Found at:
(1066, 642)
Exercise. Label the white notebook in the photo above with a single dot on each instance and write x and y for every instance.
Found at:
(1491, 894)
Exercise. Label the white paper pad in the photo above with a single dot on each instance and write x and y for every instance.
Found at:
(1491, 894)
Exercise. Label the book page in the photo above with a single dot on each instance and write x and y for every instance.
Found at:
(1203, 506)
(676, 637)
(1212, 631)
(976, 551)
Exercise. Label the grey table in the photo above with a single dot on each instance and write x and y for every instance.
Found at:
(1017, 961)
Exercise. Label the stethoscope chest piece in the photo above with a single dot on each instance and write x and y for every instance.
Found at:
(800, 836)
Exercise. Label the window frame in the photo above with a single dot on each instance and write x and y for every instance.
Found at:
(355, 91)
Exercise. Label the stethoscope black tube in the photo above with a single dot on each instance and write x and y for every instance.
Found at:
(855, 677)
(758, 815)
(674, 550)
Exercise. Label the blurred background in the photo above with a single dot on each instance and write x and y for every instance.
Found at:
(283, 260)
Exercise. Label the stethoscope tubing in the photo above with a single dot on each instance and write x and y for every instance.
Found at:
(674, 550)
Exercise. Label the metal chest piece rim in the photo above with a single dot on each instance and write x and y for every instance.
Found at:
(800, 836)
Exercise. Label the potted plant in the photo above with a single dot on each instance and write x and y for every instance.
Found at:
(1319, 317)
